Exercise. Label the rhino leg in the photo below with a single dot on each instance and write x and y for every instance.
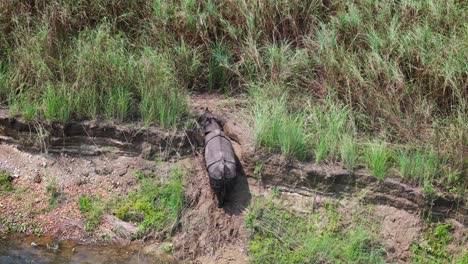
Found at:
(221, 199)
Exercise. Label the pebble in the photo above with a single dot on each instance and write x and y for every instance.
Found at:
(37, 178)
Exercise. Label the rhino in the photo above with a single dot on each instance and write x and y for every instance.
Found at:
(220, 159)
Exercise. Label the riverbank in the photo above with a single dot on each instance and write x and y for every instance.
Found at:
(104, 161)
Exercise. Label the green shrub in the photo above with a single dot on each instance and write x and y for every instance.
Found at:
(55, 193)
(155, 205)
(5, 181)
(435, 248)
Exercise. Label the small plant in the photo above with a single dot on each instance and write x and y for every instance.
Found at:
(258, 170)
(167, 247)
(377, 156)
(6, 181)
(55, 194)
(37, 231)
(276, 192)
(84, 203)
(92, 209)
(434, 249)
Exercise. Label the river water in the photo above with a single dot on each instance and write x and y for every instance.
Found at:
(17, 249)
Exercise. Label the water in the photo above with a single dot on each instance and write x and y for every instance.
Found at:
(17, 249)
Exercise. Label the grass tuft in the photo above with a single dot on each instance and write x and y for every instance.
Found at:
(377, 157)
(349, 152)
(330, 123)
(275, 127)
(57, 104)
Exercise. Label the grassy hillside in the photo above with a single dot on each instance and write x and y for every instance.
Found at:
(378, 83)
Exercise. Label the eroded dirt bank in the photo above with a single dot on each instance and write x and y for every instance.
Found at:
(101, 159)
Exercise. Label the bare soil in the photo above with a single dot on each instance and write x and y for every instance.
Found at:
(100, 159)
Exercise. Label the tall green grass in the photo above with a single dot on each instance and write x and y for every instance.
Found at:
(378, 158)
(275, 127)
(349, 151)
(100, 76)
(162, 102)
(420, 165)
(57, 103)
(330, 123)
(118, 103)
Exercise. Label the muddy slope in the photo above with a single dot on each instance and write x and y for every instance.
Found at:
(91, 138)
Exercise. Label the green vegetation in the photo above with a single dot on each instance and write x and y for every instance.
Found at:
(377, 158)
(282, 236)
(434, 248)
(276, 128)
(84, 203)
(55, 194)
(329, 125)
(155, 205)
(319, 73)
(418, 166)
(349, 152)
(92, 208)
(5, 181)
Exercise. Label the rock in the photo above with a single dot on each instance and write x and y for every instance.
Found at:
(37, 178)
(33, 244)
(104, 171)
(147, 151)
(80, 181)
(119, 227)
(53, 246)
(157, 251)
